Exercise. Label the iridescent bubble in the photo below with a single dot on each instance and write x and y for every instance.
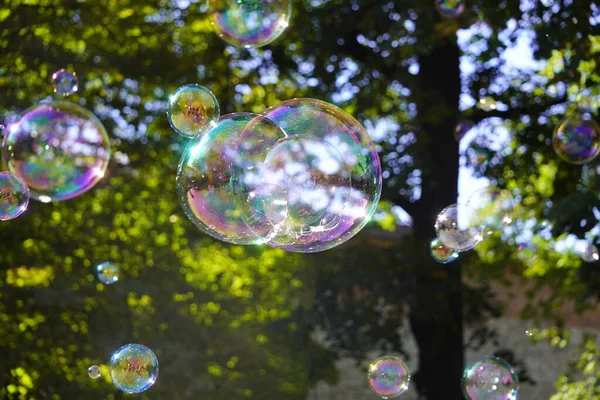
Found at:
(450, 8)
(14, 196)
(94, 372)
(205, 178)
(441, 253)
(577, 141)
(462, 128)
(108, 273)
(60, 150)
(491, 378)
(65, 82)
(133, 368)
(192, 109)
(494, 208)
(388, 377)
(590, 253)
(250, 23)
(314, 188)
(487, 103)
(458, 227)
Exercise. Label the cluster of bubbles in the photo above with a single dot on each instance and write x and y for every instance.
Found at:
(303, 176)
(450, 8)
(460, 227)
(54, 151)
(490, 378)
(250, 23)
(388, 377)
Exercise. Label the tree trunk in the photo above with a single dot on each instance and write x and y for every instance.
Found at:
(436, 307)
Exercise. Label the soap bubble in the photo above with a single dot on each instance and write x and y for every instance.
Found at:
(316, 187)
(192, 109)
(576, 140)
(450, 8)
(441, 253)
(487, 103)
(14, 196)
(462, 128)
(458, 228)
(94, 372)
(250, 23)
(493, 207)
(60, 150)
(204, 177)
(388, 377)
(491, 378)
(108, 273)
(133, 368)
(590, 253)
(65, 82)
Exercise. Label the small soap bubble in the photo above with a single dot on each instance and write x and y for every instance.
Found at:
(529, 333)
(108, 273)
(65, 82)
(14, 196)
(192, 109)
(134, 368)
(458, 228)
(577, 140)
(250, 23)
(441, 253)
(388, 377)
(590, 253)
(493, 208)
(60, 150)
(462, 128)
(94, 372)
(487, 103)
(490, 378)
(450, 8)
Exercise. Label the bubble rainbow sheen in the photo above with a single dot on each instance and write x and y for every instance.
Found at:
(317, 187)
(206, 172)
(576, 140)
(441, 253)
(458, 227)
(108, 273)
(192, 109)
(94, 372)
(14, 196)
(450, 8)
(250, 23)
(388, 377)
(65, 82)
(60, 150)
(134, 368)
(490, 378)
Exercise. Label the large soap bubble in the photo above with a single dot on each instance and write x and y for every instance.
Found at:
(458, 227)
(14, 196)
(491, 378)
(388, 377)
(316, 187)
(250, 23)
(577, 140)
(134, 368)
(192, 109)
(204, 177)
(60, 150)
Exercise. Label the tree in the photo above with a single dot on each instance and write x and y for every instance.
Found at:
(397, 62)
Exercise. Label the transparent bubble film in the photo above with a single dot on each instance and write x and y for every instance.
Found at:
(14, 196)
(458, 227)
(450, 8)
(108, 273)
(441, 253)
(577, 140)
(94, 372)
(134, 368)
(491, 378)
(250, 23)
(192, 109)
(388, 377)
(493, 208)
(60, 150)
(65, 82)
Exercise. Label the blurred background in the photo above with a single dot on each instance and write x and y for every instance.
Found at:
(233, 322)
